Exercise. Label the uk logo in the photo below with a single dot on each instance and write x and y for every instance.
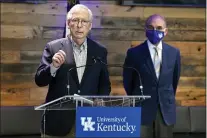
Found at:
(160, 35)
(87, 124)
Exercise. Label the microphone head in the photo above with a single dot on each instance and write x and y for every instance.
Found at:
(99, 58)
(94, 59)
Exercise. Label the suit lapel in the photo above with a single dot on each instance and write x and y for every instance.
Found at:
(164, 60)
(148, 60)
(89, 60)
(70, 60)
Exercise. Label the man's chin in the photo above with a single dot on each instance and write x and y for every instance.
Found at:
(79, 37)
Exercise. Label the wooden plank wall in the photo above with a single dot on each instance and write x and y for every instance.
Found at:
(25, 29)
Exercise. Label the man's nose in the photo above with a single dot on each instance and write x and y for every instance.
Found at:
(79, 24)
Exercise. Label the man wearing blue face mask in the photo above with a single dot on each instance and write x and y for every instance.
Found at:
(159, 67)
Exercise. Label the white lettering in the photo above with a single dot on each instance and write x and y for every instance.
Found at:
(123, 128)
(133, 128)
(99, 126)
(115, 127)
(114, 119)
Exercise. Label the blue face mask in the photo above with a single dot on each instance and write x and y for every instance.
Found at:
(154, 36)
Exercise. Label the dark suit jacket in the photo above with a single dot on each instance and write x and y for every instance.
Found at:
(95, 81)
(162, 91)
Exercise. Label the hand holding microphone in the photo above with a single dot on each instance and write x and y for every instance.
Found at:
(58, 59)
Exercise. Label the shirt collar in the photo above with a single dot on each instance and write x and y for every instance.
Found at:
(82, 47)
(151, 46)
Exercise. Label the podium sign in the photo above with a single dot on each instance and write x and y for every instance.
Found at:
(100, 116)
(108, 122)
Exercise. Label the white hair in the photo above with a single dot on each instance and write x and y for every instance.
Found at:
(78, 6)
(69, 15)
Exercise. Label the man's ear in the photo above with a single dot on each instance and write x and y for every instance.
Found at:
(166, 31)
(68, 23)
(90, 26)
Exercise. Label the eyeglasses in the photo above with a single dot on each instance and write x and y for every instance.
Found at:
(83, 22)
(159, 28)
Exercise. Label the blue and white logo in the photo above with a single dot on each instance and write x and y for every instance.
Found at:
(108, 122)
(160, 35)
(87, 124)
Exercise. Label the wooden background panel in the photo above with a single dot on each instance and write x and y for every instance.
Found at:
(186, 95)
(190, 94)
(24, 32)
(129, 34)
(176, 12)
(14, 44)
(51, 20)
(189, 91)
(10, 44)
(57, 8)
(38, 93)
(190, 35)
(114, 46)
(21, 103)
(143, 12)
(19, 68)
(31, 57)
(30, 68)
(192, 82)
(10, 80)
(31, 32)
(193, 59)
(186, 71)
(27, 81)
(10, 56)
(117, 91)
(185, 47)
(116, 58)
(113, 2)
(191, 65)
(23, 96)
(188, 59)
(184, 82)
(193, 71)
(194, 51)
(53, 32)
(40, 96)
(9, 31)
(115, 10)
(139, 23)
(36, 96)
(114, 26)
(193, 102)
(15, 94)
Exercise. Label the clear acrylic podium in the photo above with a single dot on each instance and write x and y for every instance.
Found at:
(71, 102)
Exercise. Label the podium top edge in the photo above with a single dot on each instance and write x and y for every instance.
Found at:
(107, 96)
(89, 99)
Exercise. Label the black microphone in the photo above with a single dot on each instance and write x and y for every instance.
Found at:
(68, 72)
(116, 65)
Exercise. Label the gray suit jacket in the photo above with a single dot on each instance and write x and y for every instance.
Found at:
(95, 81)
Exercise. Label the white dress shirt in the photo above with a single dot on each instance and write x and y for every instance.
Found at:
(152, 50)
(80, 55)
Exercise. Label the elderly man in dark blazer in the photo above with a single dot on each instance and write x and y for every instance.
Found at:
(59, 56)
(159, 66)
